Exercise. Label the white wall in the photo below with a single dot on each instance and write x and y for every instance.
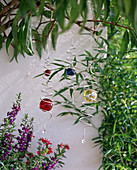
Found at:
(16, 78)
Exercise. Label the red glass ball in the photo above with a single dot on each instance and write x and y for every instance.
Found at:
(47, 72)
(46, 104)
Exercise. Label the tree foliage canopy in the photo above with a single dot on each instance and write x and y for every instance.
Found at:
(57, 16)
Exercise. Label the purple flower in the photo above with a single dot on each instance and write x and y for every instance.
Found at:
(51, 164)
(23, 139)
(35, 168)
(12, 115)
(6, 145)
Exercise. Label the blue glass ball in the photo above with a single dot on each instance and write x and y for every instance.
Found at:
(70, 72)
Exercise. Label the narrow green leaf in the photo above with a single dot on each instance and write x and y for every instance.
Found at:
(28, 32)
(105, 40)
(61, 91)
(125, 42)
(114, 127)
(46, 32)
(21, 38)
(77, 79)
(57, 64)
(61, 7)
(71, 92)
(77, 120)
(41, 7)
(54, 36)
(39, 75)
(81, 76)
(53, 74)
(133, 38)
(112, 14)
(99, 8)
(15, 27)
(26, 6)
(38, 42)
(67, 106)
(129, 148)
(63, 114)
(74, 13)
(16, 52)
(62, 61)
(106, 9)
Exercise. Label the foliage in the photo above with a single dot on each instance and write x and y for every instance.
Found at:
(113, 75)
(53, 17)
(14, 148)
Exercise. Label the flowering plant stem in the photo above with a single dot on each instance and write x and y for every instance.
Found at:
(14, 152)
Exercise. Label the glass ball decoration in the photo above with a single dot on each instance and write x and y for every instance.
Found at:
(90, 95)
(70, 71)
(47, 72)
(45, 104)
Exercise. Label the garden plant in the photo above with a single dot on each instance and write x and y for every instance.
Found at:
(15, 148)
(112, 73)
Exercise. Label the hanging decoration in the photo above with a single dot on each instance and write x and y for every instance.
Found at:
(90, 95)
(46, 103)
(70, 71)
(47, 72)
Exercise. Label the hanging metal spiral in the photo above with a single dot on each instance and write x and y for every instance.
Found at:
(45, 101)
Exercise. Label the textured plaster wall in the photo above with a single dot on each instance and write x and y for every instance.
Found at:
(16, 78)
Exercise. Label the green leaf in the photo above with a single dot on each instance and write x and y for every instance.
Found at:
(26, 6)
(71, 92)
(81, 76)
(74, 13)
(41, 7)
(61, 6)
(129, 148)
(54, 36)
(21, 38)
(61, 91)
(53, 74)
(125, 42)
(108, 152)
(38, 42)
(106, 9)
(84, 10)
(99, 8)
(62, 61)
(57, 64)
(133, 38)
(63, 114)
(16, 52)
(77, 120)
(28, 33)
(67, 106)
(1, 41)
(112, 14)
(46, 32)
(77, 79)
(15, 27)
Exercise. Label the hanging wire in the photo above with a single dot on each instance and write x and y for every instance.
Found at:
(46, 91)
(45, 124)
